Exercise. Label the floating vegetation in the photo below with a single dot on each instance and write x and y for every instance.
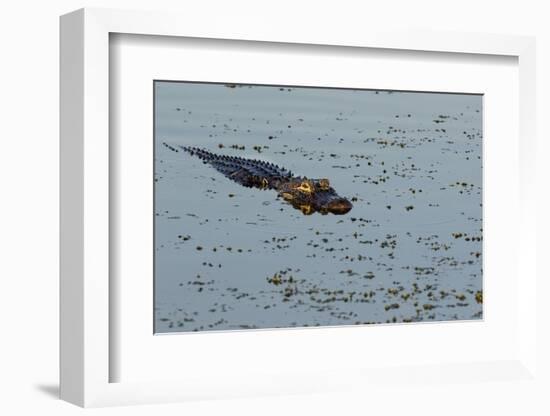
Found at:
(479, 296)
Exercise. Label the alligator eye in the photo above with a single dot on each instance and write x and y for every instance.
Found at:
(324, 184)
(305, 186)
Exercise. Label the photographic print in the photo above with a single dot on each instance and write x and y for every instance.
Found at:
(286, 206)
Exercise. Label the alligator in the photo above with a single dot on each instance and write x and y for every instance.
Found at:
(307, 195)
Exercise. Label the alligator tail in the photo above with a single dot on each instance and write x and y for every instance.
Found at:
(246, 172)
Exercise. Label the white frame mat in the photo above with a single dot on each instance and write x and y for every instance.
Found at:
(86, 357)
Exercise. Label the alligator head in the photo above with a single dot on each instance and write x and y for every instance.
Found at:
(313, 195)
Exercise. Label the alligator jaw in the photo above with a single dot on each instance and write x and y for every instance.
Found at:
(339, 206)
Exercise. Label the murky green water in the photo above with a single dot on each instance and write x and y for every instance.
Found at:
(229, 257)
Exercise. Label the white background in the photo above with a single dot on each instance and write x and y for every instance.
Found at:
(29, 208)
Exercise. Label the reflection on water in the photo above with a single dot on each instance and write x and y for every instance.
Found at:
(232, 257)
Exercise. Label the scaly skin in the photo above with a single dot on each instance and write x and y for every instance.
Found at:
(307, 195)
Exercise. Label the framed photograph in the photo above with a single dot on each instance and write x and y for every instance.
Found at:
(403, 245)
(270, 212)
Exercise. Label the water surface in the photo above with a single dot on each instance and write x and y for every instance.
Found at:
(229, 257)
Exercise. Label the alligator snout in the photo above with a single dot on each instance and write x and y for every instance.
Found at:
(339, 206)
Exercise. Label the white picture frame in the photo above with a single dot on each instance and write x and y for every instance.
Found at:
(86, 303)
